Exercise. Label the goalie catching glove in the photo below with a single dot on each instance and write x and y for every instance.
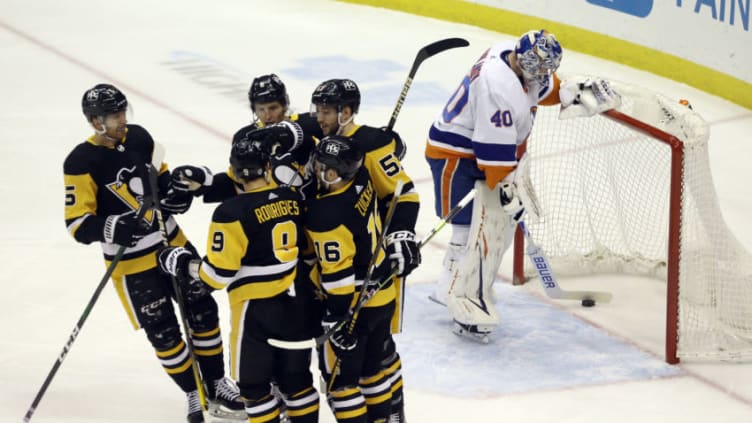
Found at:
(510, 200)
(586, 98)
(190, 179)
(403, 251)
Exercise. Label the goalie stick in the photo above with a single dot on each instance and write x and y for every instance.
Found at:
(423, 54)
(148, 201)
(364, 298)
(548, 280)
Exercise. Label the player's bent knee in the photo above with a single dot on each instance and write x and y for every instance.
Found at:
(254, 392)
(203, 315)
(165, 336)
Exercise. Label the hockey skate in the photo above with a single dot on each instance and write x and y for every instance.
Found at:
(471, 332)
(195, 413)
(472, 318)
(225, 401)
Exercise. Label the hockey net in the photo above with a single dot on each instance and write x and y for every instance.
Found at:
(631, 192)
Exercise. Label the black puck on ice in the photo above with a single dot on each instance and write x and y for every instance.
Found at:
(588, 302)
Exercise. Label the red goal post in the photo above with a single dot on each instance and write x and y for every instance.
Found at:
(630, 192)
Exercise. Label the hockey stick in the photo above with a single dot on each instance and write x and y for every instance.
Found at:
(548, 280)
(423, 54)
(319, 340)
(148, 200)
(153, 175)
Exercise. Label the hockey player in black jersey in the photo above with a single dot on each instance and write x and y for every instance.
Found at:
(344, 225)
(293, 135)
(253, 250)
(105, 181)
(336, 102)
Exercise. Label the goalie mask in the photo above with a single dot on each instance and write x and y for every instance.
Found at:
(338, 153)
(538, 56)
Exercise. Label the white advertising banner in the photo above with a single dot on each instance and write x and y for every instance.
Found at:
(712, 33)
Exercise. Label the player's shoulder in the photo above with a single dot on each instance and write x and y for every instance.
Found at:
(139, 140)
(80, 159)
(138, 133)
(308, 123)
(370, 138)
(499, 82)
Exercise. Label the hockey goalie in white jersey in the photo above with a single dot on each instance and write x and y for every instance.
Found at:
(474, 142)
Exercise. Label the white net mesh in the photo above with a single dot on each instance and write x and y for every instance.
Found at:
(603, 191)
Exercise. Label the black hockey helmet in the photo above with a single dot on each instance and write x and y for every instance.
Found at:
(267, 89)
(102, 100)
(248, 157)
(339, 153)
(339, 92)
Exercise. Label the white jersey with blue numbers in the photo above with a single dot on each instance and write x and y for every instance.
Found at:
(489, 115)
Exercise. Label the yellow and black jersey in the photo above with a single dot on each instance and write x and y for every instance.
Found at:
(227, 185)
(344, 227)
(101, 181)
(254, 243)
(383, 150)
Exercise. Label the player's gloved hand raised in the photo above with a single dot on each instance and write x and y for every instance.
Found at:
(510, 200)
(123, 229)
(175, 260)
(343, 342)
(586, 98)
(403, 251)
(190, 179)
(279, 138)
(176, 202)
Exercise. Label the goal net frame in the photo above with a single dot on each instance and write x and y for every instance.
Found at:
(647, 115)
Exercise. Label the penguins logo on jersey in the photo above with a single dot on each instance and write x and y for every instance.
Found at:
(129, 188)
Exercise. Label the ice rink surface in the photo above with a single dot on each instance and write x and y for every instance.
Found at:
(185, 67)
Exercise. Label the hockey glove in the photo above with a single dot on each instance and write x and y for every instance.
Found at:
(342, 341)
(278, 139)
(174, 261)
(510, 200)
(587, 98)
(176, 202)
(403, 251)
(123, 229)
(190, 179)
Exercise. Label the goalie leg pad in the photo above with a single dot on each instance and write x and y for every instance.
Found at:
(490, 235)
(471, 295)
(457, 248)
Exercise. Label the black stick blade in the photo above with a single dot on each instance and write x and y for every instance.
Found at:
(441, 45)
